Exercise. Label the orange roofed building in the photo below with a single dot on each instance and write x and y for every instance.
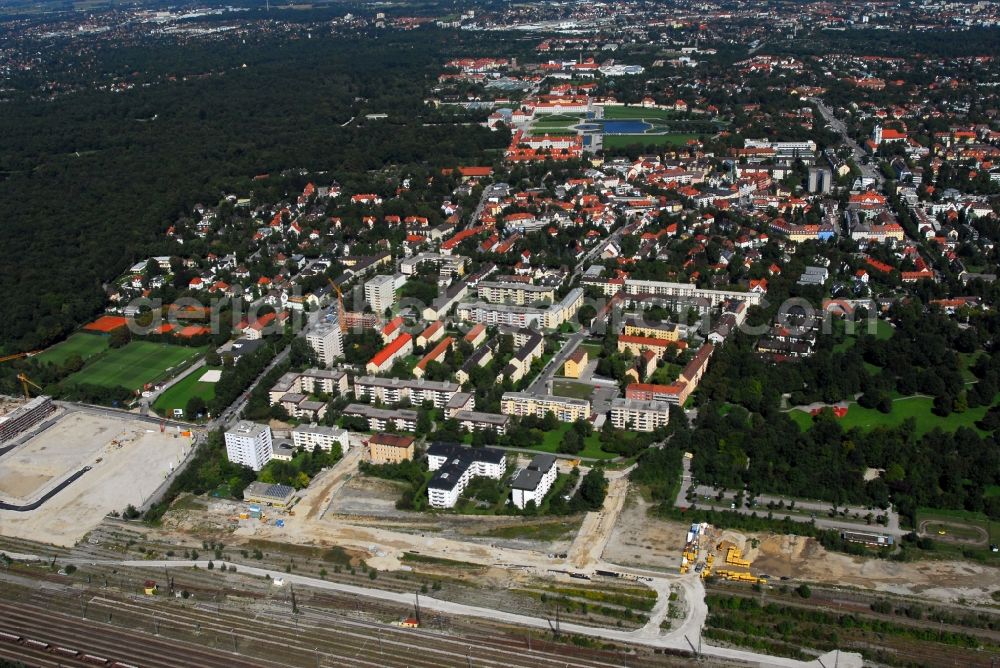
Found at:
(401, 346)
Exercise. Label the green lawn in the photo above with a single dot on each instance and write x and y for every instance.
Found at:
(918, 408)
(883, 331)
(616, 113)
(559, 118)
(177, 396)
(623, 141)
(594, 350)
(84, 344)
(591, 444)
(571, 388)
(136, 364)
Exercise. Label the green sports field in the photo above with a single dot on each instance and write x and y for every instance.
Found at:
(136, 364)
(84, 344)
(177, 395)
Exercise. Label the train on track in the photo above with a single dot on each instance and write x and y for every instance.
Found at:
(59, 650)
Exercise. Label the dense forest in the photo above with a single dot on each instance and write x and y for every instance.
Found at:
(91, 180)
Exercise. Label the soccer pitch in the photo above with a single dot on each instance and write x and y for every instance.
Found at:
(84, 344)
(136, 364)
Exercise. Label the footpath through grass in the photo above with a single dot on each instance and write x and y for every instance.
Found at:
(136, 364)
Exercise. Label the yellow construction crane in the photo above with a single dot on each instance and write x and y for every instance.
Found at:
(340, 305)
(25, 382)
(7, 358)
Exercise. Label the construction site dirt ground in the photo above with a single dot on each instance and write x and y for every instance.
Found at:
(128, 461)
(804, 558)
(644, 541)
(641, 540)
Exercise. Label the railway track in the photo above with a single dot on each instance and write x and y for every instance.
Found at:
(321, 638)
(353, 639)
(28, 631)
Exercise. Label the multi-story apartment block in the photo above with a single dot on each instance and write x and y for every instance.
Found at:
(309, 436)
(249, 444)
(566, 409)
(667, 289)
(327, 341)
(515, 293)
(523, 316)
(383, 360)
(455, 466)
(390, 448)
(639, 415)
(653, 330)
(534, 481)
(380, 419)
(390, 391)
(380, 293)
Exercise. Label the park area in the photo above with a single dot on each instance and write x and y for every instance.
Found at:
(556, 124)
(200, 383)
(591, 444)
(916, 407)
(135, 365)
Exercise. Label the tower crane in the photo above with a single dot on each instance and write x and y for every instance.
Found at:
(340, 305)
(25, 382)
(7, 358)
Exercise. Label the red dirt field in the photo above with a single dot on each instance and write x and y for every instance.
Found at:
(106, 323)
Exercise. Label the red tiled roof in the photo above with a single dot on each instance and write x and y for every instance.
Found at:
(394, 347)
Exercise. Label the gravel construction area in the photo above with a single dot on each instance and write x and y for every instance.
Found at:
(641, 540)
(128, 459)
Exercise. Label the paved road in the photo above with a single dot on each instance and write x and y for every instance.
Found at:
(120, 413)
(819, 508)
(869, 171)
(540, 384)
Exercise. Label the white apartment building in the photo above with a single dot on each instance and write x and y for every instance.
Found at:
(249, 444)
(668, 289)
(380, 293)
(308, 436)
(456, 466)
(390, 391)
(638, 415)
(534, 481)
(549, 317)
(515, 293)
(310, 381)
(327, 341)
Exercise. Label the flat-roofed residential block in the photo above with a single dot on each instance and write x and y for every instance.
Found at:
(534, 481)
(455, 465)
(638, 415)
